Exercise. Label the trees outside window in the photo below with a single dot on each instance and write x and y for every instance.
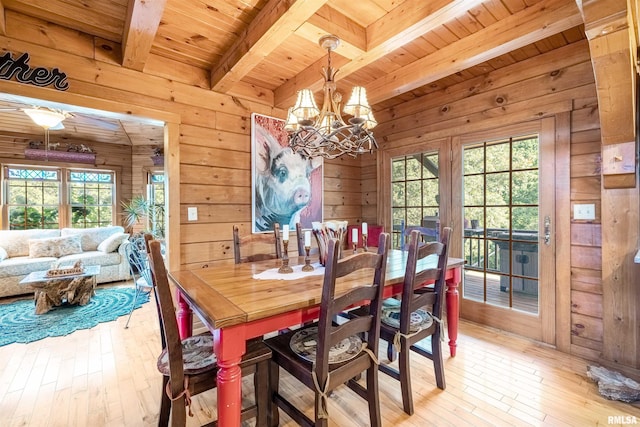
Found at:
(58, 197)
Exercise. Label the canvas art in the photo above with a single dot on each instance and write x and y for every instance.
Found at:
(286, 187)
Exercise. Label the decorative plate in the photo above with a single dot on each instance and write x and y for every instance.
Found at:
(420, 319)
(304, 343)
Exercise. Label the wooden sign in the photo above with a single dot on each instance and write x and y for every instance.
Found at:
(19, 69)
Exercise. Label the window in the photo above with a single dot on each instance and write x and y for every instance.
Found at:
(32, 198)
(414, 188)
(58, 197)
(501, 180)
(91, 198)
(155, 198)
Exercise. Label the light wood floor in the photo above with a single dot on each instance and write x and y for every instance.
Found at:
(106, 376)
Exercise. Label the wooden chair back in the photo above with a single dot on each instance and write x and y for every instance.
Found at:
(414, 296)
(257, 247)
(331, 305)
(169, 328)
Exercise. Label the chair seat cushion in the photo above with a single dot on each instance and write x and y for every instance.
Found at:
(305, 341)
(197, 353)
(420, 319)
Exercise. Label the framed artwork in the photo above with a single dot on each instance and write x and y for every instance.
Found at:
(286, 187)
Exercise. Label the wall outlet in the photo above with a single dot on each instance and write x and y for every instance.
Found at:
(192, 214)
(587, 212)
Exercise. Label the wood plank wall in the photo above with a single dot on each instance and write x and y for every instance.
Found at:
(553, 83)
(214, 130)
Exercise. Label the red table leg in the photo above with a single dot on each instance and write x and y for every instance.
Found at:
(453, 309)
(229, 347)
(184, 317)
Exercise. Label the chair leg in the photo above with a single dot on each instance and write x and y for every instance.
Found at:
(438, 365)
(262, 396)
(405, 378)
(274, 385)
(165, 404)
(135, 298)
(373, 397)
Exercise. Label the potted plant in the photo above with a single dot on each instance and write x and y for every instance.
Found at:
(138, 211)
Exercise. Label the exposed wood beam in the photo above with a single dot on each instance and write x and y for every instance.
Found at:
(523, 28)
(610, 30)
(353, 37)
(3, 23)
(140, 27)
(275, 22)
(400, 26)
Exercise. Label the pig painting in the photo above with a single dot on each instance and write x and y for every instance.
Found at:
(287, 186)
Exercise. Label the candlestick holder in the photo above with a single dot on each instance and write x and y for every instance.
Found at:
(364, 243)
(307, 261)
(285, 259)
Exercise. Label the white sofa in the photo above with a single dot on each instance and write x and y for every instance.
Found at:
(24, 251)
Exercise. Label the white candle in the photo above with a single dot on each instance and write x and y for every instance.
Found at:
(364, 228)
(354, 235)
(307, 239)
(285, 232)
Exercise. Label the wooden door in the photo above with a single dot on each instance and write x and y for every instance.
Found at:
(503, 192)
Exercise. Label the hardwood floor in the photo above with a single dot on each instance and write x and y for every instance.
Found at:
(107, 376)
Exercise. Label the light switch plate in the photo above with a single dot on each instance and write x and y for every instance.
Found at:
(192, 213)
(585, 211)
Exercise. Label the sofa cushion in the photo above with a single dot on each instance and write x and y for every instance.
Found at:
(111, 243)
(23, 265)
(92, 258)
(54, 246)
(3, 254)
(91, 237)
(16, 242)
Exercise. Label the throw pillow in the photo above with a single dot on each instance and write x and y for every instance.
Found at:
(54, 246)
(112, 242)
(3, 254)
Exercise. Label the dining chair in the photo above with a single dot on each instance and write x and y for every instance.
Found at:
(325, 355)
(189, 366)
(136, 253)
(257, 247)
(406, 322)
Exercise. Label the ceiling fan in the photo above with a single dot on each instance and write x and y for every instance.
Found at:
(44, 111)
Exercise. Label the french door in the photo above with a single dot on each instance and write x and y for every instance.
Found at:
(503, 190)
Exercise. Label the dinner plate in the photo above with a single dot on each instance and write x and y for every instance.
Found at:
(420, 319)
(305, 341)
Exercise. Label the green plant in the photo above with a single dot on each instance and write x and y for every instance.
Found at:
(138, 211)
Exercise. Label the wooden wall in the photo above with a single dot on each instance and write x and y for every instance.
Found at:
(207, 152)
(557, 84)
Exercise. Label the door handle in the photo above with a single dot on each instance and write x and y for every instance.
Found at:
(547, 230)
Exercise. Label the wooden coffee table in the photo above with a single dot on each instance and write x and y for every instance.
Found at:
(54, 291)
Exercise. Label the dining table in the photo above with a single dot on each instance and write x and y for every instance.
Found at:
(237, 302)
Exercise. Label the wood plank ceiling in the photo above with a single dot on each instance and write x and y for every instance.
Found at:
(397, 49)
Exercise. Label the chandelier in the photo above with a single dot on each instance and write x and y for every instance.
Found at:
(322, 132)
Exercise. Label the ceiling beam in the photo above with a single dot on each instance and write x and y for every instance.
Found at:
(141, 25)
(400, 26)
(610, 30)
(275, 22)
(3, 23)
(530, 25)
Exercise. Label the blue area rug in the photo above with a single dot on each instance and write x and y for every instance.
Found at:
(20, 324)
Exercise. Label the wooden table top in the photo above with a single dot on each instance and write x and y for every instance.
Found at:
(227, 294)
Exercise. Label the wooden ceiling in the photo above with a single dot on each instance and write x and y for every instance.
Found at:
(397, 49)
